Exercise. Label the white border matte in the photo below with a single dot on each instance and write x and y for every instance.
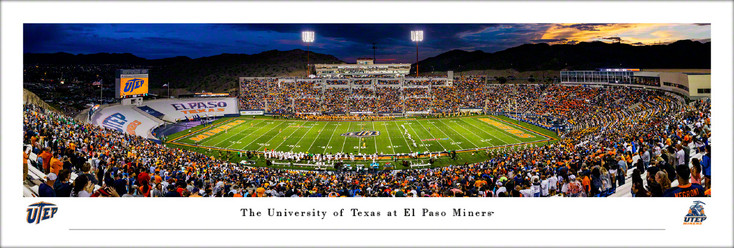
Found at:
(509, 212)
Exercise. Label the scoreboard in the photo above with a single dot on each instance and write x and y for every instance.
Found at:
(131, 83)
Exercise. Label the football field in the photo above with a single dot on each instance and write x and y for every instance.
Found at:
(365, 137)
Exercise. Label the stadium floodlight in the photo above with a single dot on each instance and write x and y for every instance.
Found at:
(416, 36)
(308, 37)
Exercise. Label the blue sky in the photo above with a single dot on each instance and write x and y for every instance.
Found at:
(345, 41)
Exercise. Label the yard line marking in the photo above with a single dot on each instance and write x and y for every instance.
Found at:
(314, 139)
(271, 138)
(349, 128)
(462, 135)
(332, 136)
(253, 140)
(388, 137)
(503, 131)
(406, 140)
(444, 133)
(309, 131)
(434, 137)
(416, 135)
(238, 138)
(304, 135)
(504, 141)
(235, 134)
(281, 143)
(375, 139)
(462, 126)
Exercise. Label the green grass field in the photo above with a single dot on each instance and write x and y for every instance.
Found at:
(429, 135)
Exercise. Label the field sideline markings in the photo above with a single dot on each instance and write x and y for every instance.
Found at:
(349, 128)
(315, 138)
(406, 140)
(490, 134)
(235, 134)
(388, 137)
(332, 136)
(271, 138)
(444, 133)
(281, 143)
(434, 137)
(238, 138)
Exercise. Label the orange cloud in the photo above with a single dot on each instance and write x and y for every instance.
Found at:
(632, 33)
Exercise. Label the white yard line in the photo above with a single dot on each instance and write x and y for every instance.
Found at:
(434, 137)
(308, 133)
(480, 137)
(304, 135)
(281, 143)
(444, 133)
(511, 135)
(374, 138)
(271, 138)
(330, 137)
(388, 136)
(462, 135)
(490, 134)
(406, 140)
(345, 137)
(238, 127)
(248, 135)
(253, 140)
(314, 139)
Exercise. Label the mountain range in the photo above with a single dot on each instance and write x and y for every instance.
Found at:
(220, 72)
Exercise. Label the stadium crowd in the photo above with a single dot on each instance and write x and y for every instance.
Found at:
(662, 143)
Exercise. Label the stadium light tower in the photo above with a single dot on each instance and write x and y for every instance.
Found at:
(416, 36)
(308, 38)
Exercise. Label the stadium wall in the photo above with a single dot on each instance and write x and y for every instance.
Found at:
(126, 118)
(175, 110)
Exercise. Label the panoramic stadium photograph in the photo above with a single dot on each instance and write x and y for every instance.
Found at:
(367, 110)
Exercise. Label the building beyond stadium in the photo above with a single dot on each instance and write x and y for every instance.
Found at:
(691, 83)
(364, 67)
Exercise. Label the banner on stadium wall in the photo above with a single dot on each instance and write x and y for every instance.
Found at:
(126, 119)
(179, 109)
(470, 110)
(361, 113)
(417, 112)
(252, 112)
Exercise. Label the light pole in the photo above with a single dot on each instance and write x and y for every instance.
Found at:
(308, 38)
(416, 36)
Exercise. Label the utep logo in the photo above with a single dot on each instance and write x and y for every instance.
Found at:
(361, 134)
(133, 84)
(41, 211)
(695, 214)
(115, 121)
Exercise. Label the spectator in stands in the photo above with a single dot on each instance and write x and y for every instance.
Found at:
(47, 189)
(62, 186)
(685, 188)
(82, 187)
(46, 159)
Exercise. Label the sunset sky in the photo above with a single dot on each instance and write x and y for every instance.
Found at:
(346, 41)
